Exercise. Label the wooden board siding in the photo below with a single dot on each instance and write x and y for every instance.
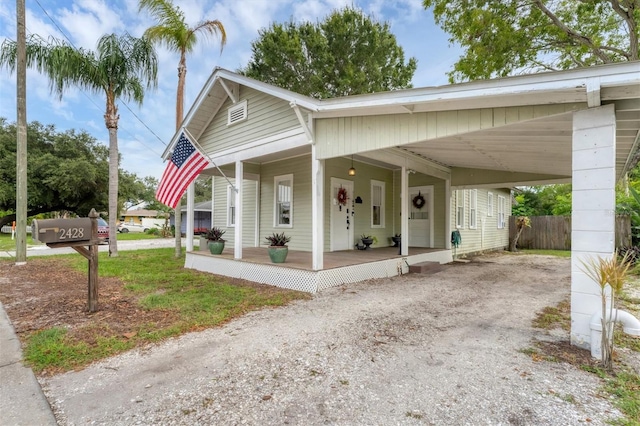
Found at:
(300, 232)
(266, 114)
(475, 240)
(250, 193)
(347, 135)
(338, 168)
(439, 208)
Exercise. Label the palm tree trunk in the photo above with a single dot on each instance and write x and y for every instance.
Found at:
(111, 120)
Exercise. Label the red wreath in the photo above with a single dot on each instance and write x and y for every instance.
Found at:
(342, 196)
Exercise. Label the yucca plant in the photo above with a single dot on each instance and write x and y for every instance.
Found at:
(607, 273)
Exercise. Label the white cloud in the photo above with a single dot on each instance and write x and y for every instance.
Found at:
(88, 20)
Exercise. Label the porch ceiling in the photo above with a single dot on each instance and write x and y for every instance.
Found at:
(536, 146)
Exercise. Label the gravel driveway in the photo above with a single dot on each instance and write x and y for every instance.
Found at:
(437, 349)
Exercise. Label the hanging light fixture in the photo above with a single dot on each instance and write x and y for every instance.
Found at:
(352, 171)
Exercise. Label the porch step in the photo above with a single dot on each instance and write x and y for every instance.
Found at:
(426, 268)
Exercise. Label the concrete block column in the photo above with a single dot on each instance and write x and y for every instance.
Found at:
(593, 211)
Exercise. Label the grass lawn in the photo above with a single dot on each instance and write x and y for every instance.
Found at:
(145, 296)
(559, 253)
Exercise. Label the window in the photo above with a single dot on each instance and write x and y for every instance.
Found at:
(490, 204)
(460, 208)
(231, 203)
(473, 209)
(501, 221)
(283, 201)
(237, 113)
(377, 204)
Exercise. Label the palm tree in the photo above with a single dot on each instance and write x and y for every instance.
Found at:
(174, 33)
(120, 68)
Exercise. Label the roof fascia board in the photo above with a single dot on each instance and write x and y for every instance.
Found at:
(609, 75)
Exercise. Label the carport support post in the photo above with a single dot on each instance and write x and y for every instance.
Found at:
(593, 211)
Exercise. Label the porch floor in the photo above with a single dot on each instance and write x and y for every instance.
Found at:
(336, 259)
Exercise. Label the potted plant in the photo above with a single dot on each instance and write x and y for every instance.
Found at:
(216, 242)
(367, 240)
(278, 249)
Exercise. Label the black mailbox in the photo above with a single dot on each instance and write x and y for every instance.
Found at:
(61, 230)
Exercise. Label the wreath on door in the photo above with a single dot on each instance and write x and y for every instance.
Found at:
(342, 196)
(418, 201)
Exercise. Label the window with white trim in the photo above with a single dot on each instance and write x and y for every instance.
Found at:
(501, 218)
(231, 206)
(283, 201)
(490, 204)
(460, 208)
(473, 209)
(377, 204)
(237, 113)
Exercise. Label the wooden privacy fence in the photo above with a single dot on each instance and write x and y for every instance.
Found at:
(554, 232)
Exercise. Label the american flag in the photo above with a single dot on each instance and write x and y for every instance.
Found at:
(185, 165)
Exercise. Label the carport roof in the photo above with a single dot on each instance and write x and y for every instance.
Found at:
(540, 145)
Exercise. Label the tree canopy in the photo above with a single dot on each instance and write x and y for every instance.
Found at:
(66, 171)
(504, 37)
(348, 53)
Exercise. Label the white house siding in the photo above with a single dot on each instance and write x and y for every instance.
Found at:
(250, 193)
(345, 136)
(475, 240)
(266, 115)
(439, 208)
(301, 229)
(338, 168)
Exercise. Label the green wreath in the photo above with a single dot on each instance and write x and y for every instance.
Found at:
(418, 201)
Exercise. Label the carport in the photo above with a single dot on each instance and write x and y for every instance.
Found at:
(579, 126)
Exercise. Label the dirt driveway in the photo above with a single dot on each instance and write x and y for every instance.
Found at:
(417, 349)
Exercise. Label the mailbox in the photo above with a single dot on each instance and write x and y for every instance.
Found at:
(61, 230)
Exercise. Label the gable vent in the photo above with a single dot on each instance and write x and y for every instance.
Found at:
(237, 113)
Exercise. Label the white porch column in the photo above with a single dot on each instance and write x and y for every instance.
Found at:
(237, 240)
(317, 210)
(191, 196)
(404, 211)
(213, 200)
(593, 211)
(447, 216)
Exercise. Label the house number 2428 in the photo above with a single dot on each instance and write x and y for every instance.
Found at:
(71, 233)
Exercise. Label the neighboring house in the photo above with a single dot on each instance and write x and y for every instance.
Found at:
(461, 146)
(143, 217)
(201, 217)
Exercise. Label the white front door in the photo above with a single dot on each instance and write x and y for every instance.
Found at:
(342, 218)
(421, 216)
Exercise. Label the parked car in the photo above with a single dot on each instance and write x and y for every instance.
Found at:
(131, 227)
(103, 229)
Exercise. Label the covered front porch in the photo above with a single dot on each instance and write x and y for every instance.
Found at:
(297, 273)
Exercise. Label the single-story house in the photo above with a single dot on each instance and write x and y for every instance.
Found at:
(201, 218)
(428, 161)
(143, 217)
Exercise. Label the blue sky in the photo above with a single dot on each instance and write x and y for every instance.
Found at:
(84, 21)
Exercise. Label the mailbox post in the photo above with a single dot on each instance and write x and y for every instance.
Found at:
(75, 233)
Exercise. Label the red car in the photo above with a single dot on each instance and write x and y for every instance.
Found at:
(103, 229)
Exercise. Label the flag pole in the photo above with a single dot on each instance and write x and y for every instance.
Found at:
(203, 152)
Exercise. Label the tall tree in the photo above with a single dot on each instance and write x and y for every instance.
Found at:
(119, 68)
(66, 171)
(348, 53)
(504, 37)
(173, 32)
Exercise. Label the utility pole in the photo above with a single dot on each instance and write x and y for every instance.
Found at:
(21, 137)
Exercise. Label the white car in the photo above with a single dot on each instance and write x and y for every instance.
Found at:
(131, 227)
